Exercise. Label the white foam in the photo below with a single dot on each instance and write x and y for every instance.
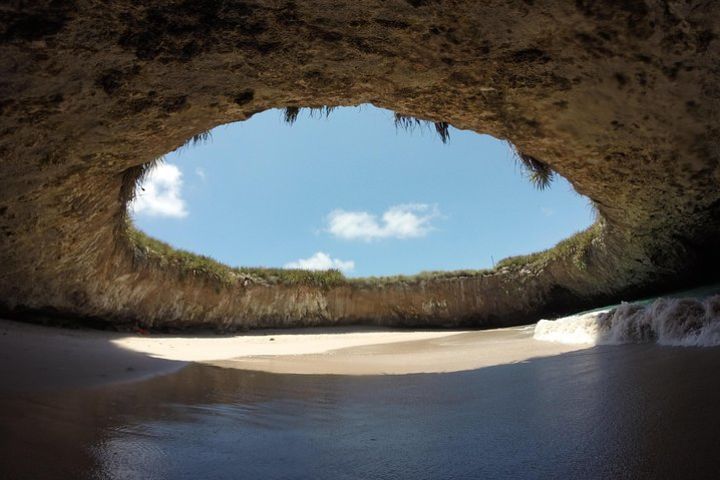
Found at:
(583, 328)
(687, 322)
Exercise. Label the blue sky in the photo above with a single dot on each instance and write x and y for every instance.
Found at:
(352, 192)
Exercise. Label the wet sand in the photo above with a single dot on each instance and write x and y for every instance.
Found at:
(168, 407)
(34, 357)
(608, 412)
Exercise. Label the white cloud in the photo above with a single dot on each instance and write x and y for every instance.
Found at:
(200, 173)
(322, 261)
(159, 193)
(399, 221)
(548, 212)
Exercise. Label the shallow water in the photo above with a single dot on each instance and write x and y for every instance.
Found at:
(630, 411)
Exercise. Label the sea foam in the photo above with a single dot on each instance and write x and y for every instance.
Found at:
(686, 322)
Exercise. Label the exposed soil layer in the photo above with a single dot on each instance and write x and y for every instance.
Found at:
(621, 98)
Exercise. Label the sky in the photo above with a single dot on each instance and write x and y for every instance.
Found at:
(352, 192)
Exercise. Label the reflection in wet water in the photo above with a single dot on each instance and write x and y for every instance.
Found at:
(608, 412)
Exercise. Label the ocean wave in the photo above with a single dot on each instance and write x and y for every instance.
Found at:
(686, 322)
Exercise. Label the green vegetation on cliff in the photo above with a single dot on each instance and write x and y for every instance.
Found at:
(186, 263)
(575, 249)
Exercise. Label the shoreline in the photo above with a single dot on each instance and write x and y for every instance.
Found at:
(461, 351)
(40, 358)
(45, 358)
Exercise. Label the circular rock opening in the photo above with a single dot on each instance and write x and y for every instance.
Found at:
(344, 190)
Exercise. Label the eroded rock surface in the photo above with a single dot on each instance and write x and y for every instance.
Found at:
(621, 98)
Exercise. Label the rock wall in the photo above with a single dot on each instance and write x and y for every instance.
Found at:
(621, 98)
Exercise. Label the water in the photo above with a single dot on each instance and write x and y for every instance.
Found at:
(680, 321)
(628, 411)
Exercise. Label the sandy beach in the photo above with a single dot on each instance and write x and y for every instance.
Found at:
(39, 357)
(622, 411)
(408, 353)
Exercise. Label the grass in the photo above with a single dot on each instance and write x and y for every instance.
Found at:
(409, 123)
(291, 114)
(133, 177)
(406, 122)
(539, 173)
(443, 130)
(200, 138)
(321, 112)
(184, 263)
(574, 248)
(418, 277)
(291, 276)
(188, 264)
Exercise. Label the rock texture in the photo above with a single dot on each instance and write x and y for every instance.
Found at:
(620, 97)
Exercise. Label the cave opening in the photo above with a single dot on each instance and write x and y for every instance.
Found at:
(358, 190)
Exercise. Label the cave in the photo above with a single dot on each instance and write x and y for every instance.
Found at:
(621, 101)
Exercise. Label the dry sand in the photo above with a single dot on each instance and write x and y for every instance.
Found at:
(36, 357)
(444, 352)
